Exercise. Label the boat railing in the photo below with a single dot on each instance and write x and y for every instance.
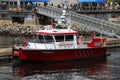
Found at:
(65, 45)
(73, 45)
(45, 46)
(54, 45)
(35, 45)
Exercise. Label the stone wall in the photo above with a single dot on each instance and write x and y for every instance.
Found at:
(9, 22)
(29, 22)
(5, 22)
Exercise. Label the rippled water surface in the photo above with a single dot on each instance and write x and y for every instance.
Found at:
(106, 68)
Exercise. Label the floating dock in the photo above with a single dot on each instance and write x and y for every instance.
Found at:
(5, 52)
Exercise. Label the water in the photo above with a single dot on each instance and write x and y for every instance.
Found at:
(106, 68)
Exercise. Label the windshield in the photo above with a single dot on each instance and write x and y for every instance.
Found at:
(62, 38)
(68, 37)
(59, 38)
(48, 38)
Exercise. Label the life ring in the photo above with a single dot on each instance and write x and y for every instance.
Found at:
(24, 43)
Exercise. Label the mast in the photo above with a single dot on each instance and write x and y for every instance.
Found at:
(64, 15)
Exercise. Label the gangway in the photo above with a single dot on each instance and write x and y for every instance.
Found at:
(83, 21)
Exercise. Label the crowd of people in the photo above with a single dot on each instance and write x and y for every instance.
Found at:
(86, 6)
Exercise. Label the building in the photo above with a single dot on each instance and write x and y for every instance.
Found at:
(16, 11)
(22, 11)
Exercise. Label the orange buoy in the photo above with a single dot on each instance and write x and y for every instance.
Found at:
(106, 40)
(79, 41)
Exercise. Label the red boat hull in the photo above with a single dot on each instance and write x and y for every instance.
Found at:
(59, 55)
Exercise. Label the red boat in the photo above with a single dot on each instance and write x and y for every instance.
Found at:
(57, 42)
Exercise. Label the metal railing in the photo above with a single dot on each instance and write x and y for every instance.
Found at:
(83, 21)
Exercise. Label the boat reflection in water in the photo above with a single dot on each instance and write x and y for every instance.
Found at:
(91, 69)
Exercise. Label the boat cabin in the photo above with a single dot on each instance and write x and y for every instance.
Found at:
(54, 39)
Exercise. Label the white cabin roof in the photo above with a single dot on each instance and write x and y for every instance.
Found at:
(55, 31)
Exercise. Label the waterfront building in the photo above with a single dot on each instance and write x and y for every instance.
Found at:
(12, 11)
(17, 11)
(22, 11)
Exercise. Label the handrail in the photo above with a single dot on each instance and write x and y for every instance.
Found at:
(83, 21)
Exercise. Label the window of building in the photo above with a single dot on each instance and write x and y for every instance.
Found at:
(21, 4)
(11, 3)
(15, 3)
(7, 3)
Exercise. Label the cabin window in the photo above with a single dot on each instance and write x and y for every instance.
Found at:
(68, 37)
(59, 38)
(48, 38)
(41, 39)
(36, 39)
